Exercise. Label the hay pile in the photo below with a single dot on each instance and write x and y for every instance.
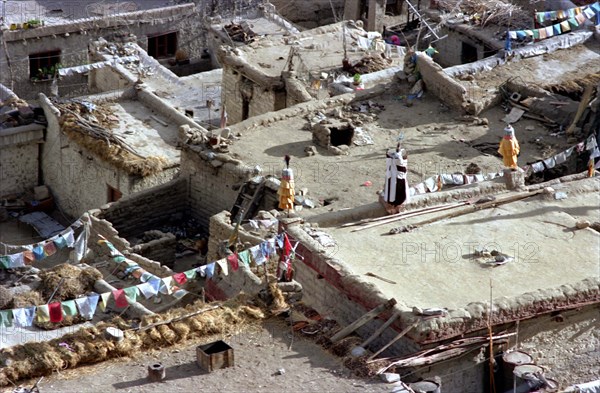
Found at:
(93, 133)
(574, 89)
(6, 298)
(370, 63)
(27, 299)
(485, 12)
(90, 345)
(77, 282)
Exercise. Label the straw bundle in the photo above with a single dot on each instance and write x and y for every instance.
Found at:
(490, 12)
(87, 346)
(75, 281)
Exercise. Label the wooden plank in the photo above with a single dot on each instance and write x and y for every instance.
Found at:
(362, 320)
(398, 337)
(369, 220)
(383, 222)
(381, 329)
(585, 100)
(379, 277)
(514, 116)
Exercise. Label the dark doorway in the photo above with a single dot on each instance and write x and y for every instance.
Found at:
(341, 136)
(113, 194)
(468, 54)
(245, 108)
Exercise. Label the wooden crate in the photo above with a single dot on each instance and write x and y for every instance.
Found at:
(215, 355)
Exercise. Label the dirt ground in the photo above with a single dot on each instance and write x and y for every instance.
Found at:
(260, 352)
(437, 141)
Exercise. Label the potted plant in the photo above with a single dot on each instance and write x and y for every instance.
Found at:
(33, 23)
(357, 79)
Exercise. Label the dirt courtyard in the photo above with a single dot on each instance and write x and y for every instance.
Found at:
(259, 351)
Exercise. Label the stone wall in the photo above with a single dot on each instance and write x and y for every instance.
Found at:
(334, 291)
(73, 39)
(19, 158)
(310, 14)
(440, 84)
(162, 249)
(79, 179)
(213, 181)
(135, 214)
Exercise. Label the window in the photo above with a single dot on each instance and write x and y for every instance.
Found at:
(113, 194)
(164, 45)
(44, 65)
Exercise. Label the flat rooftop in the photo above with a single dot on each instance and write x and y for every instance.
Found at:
(139, 128)
(436, 139)
(61, 12)
(554, 68)
(191, 92)
(314, 50)
(434, 266)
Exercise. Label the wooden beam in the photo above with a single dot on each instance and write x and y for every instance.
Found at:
(398, 337)
(387, 324)
(362, 320)
(585, 100)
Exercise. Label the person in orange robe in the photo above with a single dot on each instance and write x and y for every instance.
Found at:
(509, 148)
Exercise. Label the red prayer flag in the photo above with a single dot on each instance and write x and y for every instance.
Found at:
(55, 312)
(120, 298)
(233, 261)
(180, 278)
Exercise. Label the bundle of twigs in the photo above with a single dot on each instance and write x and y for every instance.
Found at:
(486, 12)
(94, 130)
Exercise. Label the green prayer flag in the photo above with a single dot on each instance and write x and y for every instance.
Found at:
(70, 308)
(131, 294)
(6, 318)
(190, 274)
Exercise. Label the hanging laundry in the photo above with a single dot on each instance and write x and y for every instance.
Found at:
(190, 274)
(80, 246)
(165, 285)
(70, 308)
(223, 265)
(69, 236)
(38, 252)
(210, 270)
(56, 313)
(131, 294)
(146, 276)
(16, 260)
(233, 262)
(257, 255)
(120, 298)
(104, 300)
(6, 318)
(244, 257)
(49, 249)
(87, 305)
(23, 317)
(537, 167)
(201, 270)
(180, 278)
(147, 290)
(42, 313)
(155, 283)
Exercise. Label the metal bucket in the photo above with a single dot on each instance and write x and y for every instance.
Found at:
(425, 386)
(511, 360)
(525, 377)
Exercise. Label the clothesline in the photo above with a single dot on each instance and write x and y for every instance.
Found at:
(432, 184)
(544, 16)
(573, 21)
(41, 250)
(150, 286)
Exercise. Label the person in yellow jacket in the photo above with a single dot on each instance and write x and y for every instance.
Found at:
(509, 148)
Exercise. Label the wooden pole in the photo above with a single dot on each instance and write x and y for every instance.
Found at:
(398, 337)
(362, 320)
(492, 384)
(369, 220)
(585, 100)
(387, 324)
(407, 215)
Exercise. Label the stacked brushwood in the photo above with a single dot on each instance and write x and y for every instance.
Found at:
(485, 12)
(370, 63)
(93, 131)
